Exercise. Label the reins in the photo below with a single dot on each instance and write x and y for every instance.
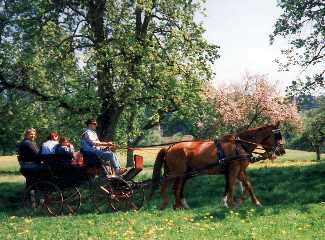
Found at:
(253, 143)
(162, 144)
(258, 146)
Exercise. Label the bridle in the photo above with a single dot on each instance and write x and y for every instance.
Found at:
(269, 150)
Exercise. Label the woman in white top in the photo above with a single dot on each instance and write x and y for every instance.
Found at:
(48, 147)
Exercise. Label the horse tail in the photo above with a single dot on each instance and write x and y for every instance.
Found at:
(156, 173)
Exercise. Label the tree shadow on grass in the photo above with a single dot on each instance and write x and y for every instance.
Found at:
(276, 187)
(11, 197)
(9, 172)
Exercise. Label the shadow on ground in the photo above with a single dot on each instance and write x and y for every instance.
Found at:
(279, 187)
(272, 185)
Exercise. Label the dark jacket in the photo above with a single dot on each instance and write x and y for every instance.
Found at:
(28, 151)
(65, 154)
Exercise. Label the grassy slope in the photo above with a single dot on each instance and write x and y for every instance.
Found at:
(291, 191)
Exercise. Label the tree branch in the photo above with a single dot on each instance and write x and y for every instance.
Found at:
(43, 97)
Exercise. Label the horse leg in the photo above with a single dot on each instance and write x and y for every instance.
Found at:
(230, 185)
(225, 194)
(249, 189)
(243, 192)
(183, 199)
(178, 188)
(163, 193)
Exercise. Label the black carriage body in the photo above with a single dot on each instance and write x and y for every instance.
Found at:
(62, 178)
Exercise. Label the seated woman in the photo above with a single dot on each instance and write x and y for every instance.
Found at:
(48, 147)
(30, 165)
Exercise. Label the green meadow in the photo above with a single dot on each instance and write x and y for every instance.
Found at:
(291, 189)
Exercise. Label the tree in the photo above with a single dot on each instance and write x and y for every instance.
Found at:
(315, 127)
(104, 57)
(196, 118)
(303, 23)
(252, 103)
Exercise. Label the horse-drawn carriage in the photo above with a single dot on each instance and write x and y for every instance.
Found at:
(54, 186)
(57, 190)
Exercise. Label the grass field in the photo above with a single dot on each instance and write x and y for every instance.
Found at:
(291, 189)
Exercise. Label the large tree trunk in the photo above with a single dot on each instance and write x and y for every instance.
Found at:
(107, 122)
(110, 110)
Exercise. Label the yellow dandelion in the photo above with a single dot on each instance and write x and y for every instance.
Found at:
(28, 220)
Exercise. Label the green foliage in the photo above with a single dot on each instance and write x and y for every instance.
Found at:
(152, 137)
(197, 118)
(315, 125)
(302, 22)
(127, 62)
(313, 136)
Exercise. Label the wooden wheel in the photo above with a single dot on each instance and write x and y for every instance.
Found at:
(121, 194)
(42, 197)
(71, 200)
(101, 198)
(137, 198)
(112, 194)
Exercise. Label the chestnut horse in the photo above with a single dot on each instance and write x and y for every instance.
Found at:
(185, 159)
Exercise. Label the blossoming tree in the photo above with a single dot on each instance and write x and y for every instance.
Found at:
(253, 102)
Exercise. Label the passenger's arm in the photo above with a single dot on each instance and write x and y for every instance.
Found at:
(33, 148)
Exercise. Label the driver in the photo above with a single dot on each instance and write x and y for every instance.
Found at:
(89, 142)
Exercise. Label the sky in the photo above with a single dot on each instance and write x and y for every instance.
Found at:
(241, 28)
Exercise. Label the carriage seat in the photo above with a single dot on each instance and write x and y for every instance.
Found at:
(36, 169)
(57, 159)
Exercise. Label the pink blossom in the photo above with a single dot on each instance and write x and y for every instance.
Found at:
(253, 101)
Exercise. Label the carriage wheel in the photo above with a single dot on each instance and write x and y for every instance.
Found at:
(42, 197)
(101, 198)
(137, 199)
(121, 194)
(71, 200)
(112, 194)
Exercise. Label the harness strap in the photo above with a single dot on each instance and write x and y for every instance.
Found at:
(222, 158)
(220, 152)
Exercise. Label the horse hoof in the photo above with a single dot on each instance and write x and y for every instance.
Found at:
(178, 207)
(162, 206)
(259, 205)
(224, 204)
(184, 203)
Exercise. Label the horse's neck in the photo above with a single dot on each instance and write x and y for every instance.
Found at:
(259, 136)
(249, 148)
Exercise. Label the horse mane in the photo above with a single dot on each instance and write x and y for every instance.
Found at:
(252, 131)
(227, 138)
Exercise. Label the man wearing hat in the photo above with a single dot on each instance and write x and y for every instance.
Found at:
(90, 142)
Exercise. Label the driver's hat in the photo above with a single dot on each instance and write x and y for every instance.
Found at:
(91, 121)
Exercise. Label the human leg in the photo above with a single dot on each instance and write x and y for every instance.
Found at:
(112, 158)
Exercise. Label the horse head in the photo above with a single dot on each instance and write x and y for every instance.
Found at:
(268, 137)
